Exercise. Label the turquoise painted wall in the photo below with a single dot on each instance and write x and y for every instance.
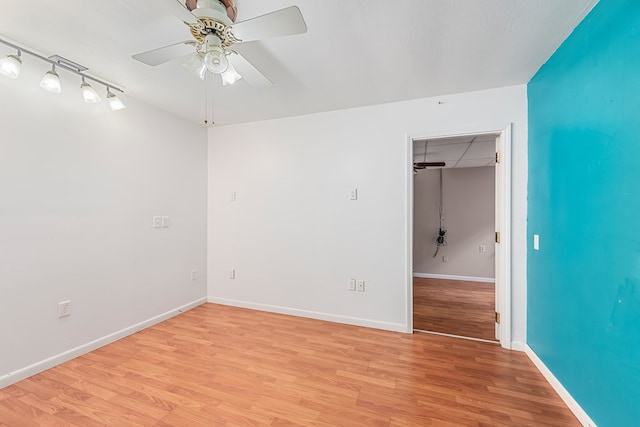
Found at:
(583, 304)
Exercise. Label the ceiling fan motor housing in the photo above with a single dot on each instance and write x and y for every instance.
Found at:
(212, 19)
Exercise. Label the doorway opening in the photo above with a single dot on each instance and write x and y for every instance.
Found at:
(459, 217)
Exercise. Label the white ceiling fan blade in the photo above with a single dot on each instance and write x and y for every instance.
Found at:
(248, 72)
(165, 54)
(283, 22)
(178, 9)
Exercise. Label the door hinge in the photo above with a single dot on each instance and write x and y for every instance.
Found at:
(497, 157)
(497, 318)
(497, 237)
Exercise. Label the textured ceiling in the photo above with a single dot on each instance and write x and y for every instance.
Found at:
(457, 152)
(355, 53)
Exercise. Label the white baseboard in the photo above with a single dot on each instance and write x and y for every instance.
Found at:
(387, 326)
(450, 277)
(518, 346)
(577, 410)
(21, 374)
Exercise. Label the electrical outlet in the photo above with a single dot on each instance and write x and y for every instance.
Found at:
(165, 222)
(194, 274)
(360, 286)
(157, 221)
(232, 274)
(64, 308)
(352, 284)
(353, 194)
(482, 248)
(445, 258)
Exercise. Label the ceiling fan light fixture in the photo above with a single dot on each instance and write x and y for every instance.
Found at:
(230, 75)
(10, 65)
(196, 65)
(89, 94)
(114, 102)
(216, 60)
(51, 81)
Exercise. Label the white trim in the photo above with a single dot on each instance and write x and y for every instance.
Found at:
(504, 247)
(451, 277)
(356, 321)
(21, 374)
(577, 410)
(518, 346)
(504, 288)
(456, 336)
(409, 184)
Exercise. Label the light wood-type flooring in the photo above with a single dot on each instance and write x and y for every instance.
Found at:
(454, 307)
(225, 366)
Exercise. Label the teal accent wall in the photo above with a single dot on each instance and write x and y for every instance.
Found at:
(583, 302)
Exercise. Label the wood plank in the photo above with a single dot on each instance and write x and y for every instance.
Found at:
(226, 366)
(454, 307)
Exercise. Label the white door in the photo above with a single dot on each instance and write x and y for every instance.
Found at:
(498, 214)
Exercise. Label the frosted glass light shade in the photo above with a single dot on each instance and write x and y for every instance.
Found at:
(230, 75)
(51, 82)
(10, 66)
(216, 60)
(89, 94)
(114, 102)
(196, 65)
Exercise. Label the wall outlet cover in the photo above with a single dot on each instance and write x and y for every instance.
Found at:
(64, 308)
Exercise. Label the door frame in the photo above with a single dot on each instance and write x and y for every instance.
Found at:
(503, 200)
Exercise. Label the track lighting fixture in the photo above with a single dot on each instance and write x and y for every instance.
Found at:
(51, 81)
(11, 65)
(114, 102)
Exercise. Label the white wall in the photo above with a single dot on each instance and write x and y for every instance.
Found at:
(293, 235)
(78, 188)
(468, 216)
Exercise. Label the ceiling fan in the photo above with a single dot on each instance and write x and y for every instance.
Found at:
(214, 32)
(424, 164)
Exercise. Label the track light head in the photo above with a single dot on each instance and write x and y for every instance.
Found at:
(89, 94)
(114, 102)
(51, 81)
(10, 65)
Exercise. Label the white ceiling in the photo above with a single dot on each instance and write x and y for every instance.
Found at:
(355, 53)
(457, 152)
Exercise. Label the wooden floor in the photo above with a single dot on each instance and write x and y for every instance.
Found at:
(223, 366)
(454, 307)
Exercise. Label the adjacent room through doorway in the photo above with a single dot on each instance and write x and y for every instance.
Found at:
(454, 253)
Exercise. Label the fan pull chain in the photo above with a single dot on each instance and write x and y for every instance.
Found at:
(208, 87)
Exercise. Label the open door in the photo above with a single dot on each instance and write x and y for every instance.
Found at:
(503, 238)
(498, 216)
(502, 287)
